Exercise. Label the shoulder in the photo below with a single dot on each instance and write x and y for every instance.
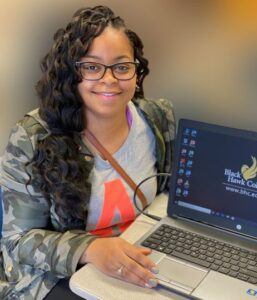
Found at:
(149, 104)
(25, 134)
(33, 124)
(157, 111)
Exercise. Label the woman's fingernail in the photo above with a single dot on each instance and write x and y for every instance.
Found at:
(152, 282)
(155, 270)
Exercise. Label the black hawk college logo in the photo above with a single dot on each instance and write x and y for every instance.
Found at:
(249, 172)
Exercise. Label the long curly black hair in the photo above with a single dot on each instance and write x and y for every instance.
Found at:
(58, 171)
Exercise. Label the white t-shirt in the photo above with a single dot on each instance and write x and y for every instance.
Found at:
(111, 208)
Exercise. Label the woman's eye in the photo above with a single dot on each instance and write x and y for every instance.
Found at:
(91, 67)
(121, 68)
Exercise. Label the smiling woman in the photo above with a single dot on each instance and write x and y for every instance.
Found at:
(63, 202)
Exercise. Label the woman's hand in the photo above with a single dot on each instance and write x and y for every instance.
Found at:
(118, 258)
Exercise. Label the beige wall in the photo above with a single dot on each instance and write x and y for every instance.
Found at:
(205, 64)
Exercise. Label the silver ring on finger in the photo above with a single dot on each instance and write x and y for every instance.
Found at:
(119, 271)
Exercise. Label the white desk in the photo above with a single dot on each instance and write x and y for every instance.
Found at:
(91, 284)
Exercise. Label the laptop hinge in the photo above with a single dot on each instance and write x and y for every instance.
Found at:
(218, 228)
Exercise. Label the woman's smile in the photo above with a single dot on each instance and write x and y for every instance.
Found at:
(107, 94)
(109, 97)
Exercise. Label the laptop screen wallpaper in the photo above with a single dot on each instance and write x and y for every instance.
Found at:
(216, 174)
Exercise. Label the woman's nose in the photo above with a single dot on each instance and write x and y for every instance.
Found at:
(108, 76)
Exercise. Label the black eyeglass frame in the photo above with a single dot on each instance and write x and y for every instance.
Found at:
(78, 65)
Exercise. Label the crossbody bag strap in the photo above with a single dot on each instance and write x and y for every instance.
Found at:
(106, 155)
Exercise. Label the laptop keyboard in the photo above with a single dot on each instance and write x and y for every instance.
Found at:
(209, 253)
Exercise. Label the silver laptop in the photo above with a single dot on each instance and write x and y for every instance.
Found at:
(207, 246)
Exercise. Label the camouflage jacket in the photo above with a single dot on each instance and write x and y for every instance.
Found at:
(37, 249)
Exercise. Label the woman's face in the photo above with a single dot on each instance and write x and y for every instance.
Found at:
(108, 96)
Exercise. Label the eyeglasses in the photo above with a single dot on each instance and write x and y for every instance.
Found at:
(96, 71)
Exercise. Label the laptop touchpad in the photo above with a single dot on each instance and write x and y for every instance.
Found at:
(174, 271)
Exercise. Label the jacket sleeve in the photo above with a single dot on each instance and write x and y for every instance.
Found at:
(26, 217)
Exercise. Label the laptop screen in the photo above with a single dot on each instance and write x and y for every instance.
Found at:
(215, 176)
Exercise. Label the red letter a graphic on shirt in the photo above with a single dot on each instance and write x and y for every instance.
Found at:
(116, 199)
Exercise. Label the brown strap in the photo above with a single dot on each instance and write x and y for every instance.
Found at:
(106, 155)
